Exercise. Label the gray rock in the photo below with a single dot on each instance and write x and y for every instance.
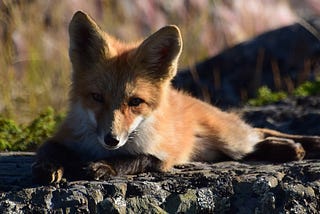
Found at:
(226, 187)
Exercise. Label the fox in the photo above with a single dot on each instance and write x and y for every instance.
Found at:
(126, 118)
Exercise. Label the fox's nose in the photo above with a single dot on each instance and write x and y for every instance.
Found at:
(110, 140)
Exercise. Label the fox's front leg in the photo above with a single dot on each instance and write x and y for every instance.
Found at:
(53, 161)
(122, 165)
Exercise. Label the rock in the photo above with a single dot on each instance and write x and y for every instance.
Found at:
(15, 170)
(226, 187)
(299, 115)
(280, 59)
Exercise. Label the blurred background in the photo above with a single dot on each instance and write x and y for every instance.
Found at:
(34, 64)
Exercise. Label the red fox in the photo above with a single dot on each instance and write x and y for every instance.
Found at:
(125, 118)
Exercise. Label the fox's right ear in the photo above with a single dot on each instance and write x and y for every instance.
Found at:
(87, 43)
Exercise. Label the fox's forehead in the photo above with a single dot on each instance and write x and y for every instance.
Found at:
(125, 86)
(116, 78)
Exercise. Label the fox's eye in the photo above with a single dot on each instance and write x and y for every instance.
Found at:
(97, 97)
(135, 101)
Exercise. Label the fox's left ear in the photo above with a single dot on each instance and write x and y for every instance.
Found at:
(160, 52)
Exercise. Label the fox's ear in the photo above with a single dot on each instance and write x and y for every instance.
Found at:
(87, 43)
(159, 53)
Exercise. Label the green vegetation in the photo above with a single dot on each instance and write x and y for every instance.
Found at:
(266, 96)
(14, 137)
(307, 89)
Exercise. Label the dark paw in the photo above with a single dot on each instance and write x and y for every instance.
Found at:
(299, 152)
(46, 173)
(312, 146)
(277, 150)
(286, 149)
(100, 171)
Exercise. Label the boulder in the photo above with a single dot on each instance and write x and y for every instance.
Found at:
(300, 115)
(280, 59)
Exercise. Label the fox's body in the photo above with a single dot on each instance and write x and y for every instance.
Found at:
(122, 105)
(180, 130)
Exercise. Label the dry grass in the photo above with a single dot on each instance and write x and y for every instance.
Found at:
(34, 64)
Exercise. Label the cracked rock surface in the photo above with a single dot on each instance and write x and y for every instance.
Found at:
(226, 187)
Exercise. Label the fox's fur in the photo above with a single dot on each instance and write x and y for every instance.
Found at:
(125, 117)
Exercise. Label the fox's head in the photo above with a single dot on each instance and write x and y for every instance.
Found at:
(118, 86)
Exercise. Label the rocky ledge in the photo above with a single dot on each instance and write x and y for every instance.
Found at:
(226, 187)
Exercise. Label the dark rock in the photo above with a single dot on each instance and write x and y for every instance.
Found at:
(227, 187)
(280, 59)
(295, 116)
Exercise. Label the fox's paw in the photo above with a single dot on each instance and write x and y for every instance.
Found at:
(286, 149)
(100, 171)
(299, 151)
(290, 150)
(277, 149)
(46, 173)
(312, 146)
